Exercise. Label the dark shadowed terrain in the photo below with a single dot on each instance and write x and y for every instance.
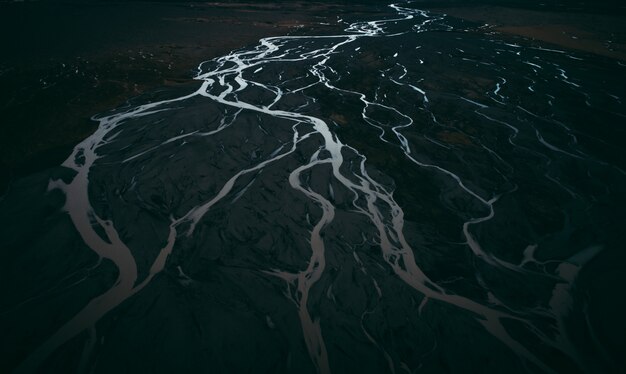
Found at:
(64, 62)
(282, 187)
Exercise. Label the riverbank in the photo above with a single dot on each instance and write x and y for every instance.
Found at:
(63, 63)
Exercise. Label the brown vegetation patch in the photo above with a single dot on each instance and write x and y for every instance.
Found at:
(452, 137)
(601, 34)
(339, 118)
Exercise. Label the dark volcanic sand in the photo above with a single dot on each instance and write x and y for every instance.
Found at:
(420, 195)
(62, 63)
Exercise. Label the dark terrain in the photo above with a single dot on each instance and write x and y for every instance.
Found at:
(384, 189)
(64, 62)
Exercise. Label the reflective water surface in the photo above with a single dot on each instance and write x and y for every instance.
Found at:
(412, 194)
